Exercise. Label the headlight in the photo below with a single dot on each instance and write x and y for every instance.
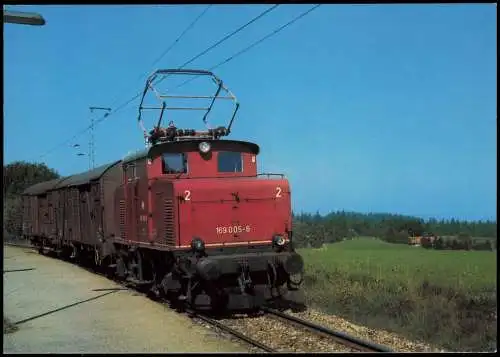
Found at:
(197, 245)
(204, 147)
(279, 240)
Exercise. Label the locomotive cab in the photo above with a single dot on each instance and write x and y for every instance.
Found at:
(213, 189)
(203, 159)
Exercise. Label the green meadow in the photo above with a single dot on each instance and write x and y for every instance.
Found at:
(443, 297)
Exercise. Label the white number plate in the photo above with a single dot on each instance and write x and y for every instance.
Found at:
(233, 229)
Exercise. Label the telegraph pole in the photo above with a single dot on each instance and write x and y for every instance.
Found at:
(91, 141)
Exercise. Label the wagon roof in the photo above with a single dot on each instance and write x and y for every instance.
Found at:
(189, 145)
(135, 156)
(87, 176)
(42, 187)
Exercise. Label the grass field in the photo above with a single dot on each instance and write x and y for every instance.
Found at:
(447, 298)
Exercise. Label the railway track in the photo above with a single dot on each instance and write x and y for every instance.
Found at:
(231, 331)
(336, 336)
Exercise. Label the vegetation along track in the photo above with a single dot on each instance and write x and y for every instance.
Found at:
(270, 331)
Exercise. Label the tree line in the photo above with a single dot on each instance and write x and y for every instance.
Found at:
(312, 230)
(17, 177)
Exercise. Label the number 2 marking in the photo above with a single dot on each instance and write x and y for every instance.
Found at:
(187, 195)
(278, 192)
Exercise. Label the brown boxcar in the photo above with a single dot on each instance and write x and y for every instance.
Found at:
(35, 209)
(83, 215)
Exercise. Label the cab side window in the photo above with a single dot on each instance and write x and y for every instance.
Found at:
(130, 171)
(174, 163)
(229, 161)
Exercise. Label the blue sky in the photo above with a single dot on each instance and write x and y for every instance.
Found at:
(382, 108)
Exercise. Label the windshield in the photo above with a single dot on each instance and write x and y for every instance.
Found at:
(174, 163)
(229, 161)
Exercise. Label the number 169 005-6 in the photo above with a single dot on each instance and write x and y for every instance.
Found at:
(232, 229)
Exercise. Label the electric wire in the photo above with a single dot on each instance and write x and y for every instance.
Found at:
(123, 105)
(232, 57)
(225, 38)
(175, 42)
(190, 26)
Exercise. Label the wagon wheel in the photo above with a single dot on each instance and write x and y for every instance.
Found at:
(78, 255)
(40, 249)
(65, 251)
(107, 267)
(97, 257)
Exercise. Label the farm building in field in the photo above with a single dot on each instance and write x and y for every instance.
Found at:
(417, 240)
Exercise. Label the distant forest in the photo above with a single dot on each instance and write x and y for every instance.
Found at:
(314, 229)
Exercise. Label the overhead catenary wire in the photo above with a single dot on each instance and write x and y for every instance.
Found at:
(123, 105)
(219, 42)
(189, 27)
(83, 131)
(227, 37)
(175, 42)
(232, 57)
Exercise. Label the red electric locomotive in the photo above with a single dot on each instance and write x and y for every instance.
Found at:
(189, 217)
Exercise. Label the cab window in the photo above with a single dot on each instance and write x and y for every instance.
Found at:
(229, 161)
(174, 163)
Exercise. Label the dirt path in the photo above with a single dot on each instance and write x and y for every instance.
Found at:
(121, 321)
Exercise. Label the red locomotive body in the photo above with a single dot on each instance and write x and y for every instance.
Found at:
(188, 217)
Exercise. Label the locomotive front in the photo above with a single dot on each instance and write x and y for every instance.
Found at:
(234, 224)
(229, 228)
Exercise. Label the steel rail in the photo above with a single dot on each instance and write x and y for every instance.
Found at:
(338, 336)
(237, 334)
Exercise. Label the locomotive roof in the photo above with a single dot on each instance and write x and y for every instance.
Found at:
(191, 145)
(87, 176)
(42, 187)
